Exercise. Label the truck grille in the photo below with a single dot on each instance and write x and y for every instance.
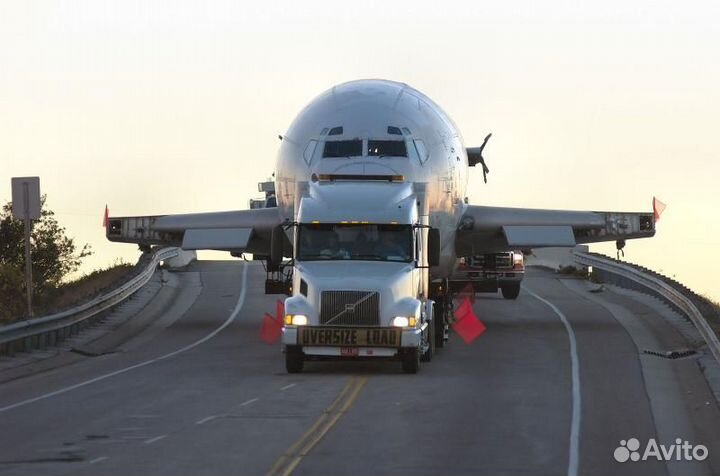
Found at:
(350, 308)
(492, 261)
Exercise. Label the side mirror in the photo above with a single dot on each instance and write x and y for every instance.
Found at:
(433, 247)
(277, 240)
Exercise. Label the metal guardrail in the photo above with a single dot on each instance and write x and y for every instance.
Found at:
(657, 286)
(48, 330)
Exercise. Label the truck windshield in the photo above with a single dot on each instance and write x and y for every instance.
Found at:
(339, 241)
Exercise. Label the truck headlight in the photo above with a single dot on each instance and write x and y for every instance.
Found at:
(403, 321)
(518, 262)
(296, 319)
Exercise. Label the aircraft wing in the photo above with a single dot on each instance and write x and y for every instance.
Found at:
(235, 231)
(494, 229)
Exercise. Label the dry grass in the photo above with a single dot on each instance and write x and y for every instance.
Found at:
(85, 287)
(712, 301)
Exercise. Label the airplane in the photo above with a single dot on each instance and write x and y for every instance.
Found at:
(369, 131)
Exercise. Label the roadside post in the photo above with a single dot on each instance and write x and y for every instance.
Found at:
(26, 207)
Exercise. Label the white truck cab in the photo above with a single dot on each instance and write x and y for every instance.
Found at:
(360, 275)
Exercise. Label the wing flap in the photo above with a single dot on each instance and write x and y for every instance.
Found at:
(535, 236)
(216, 239)
(237, 231)
(485, 229)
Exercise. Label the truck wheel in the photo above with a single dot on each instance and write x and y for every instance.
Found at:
(411, 361)
(439, 322)
(294, 360)
(510, 291)
(427, 356)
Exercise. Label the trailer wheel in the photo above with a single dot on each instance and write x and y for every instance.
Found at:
(439, 322)
(294, 360)
(510, 291)
(411, 361)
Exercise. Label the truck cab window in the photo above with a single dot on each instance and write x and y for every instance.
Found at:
(364, 242)
(387, 148)
(343, 148)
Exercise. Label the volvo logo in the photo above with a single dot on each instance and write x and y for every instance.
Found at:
(349, 307)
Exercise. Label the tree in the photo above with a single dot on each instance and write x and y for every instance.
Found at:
(54, 256)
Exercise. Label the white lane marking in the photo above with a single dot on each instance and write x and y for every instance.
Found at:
(238, 306)
(153, 440)
(98, 460)
(252, 400)
(286, 387)
(574, 458)
(205, 420)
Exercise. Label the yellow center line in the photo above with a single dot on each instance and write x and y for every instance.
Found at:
(319, 429)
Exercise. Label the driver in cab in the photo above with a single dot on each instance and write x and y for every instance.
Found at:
(388, 248)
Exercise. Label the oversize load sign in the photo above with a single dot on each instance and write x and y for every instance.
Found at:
(349, 337)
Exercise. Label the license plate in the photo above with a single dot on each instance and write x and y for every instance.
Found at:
(350, 337)
(349, 351)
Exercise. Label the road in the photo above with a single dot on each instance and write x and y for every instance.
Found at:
(552, 387)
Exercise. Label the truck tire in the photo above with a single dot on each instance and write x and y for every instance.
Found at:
(439, 322)
(427, 356)
(510, 291)
(411, 361)
(294, 360)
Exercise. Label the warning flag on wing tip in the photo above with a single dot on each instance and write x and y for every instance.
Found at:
(105, 217)
(658, 208)
(466, 324)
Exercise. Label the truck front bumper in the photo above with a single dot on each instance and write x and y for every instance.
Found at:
(409, 337)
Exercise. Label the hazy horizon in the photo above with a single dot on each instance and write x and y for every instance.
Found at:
(155, 107)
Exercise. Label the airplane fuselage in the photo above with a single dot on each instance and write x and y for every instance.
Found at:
(377, 110)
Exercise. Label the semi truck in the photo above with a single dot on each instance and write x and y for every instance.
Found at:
(359, 280)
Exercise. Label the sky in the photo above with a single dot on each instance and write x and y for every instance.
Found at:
(156, 107)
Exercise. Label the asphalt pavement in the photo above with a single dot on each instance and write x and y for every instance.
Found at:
(553, 387)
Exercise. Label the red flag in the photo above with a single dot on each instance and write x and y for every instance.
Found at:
(105, 218)
(468, 291)
(658, 208)
(271, 329)
(280, 311)
(463, 309)
(469, 328)
(467, 325)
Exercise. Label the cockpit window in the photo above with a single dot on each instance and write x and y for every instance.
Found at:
(421, 150)
(343, 148)
(391, 148)
(395, 131)
(336, 131)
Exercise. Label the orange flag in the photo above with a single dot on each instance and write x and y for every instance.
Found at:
(658, 208)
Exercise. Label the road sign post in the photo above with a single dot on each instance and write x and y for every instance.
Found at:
(26, 207)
